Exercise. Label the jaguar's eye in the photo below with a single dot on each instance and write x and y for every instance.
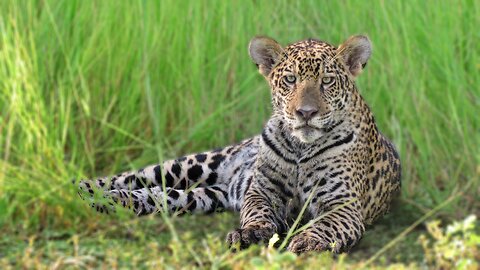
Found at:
(290, 79)
(327, 80)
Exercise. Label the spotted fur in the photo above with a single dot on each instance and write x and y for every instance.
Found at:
(321, 147)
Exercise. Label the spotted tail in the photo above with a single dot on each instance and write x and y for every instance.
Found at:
(198, 183)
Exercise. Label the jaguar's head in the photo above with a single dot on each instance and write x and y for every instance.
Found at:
(311, 81)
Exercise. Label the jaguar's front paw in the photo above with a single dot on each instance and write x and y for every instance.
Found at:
(304, 243)
(242, 238)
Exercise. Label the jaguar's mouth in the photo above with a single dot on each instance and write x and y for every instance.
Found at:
(307, 132)
(306, 127)
(309, 126)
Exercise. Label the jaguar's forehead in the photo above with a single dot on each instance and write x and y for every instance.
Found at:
(310, 54)
(310, 47)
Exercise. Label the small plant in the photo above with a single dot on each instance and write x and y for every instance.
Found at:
(456, 247)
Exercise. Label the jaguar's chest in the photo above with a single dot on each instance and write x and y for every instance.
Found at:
(311, 187)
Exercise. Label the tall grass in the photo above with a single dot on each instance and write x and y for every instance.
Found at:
(92, 88)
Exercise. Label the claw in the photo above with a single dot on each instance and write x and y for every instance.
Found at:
(242, 238)
(304, 243)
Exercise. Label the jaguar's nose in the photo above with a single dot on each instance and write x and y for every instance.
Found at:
(306, 112)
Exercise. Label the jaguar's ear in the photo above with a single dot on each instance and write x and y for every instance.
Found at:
(355, 53)
(265, 53)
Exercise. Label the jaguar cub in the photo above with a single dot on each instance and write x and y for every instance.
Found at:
(320, 148)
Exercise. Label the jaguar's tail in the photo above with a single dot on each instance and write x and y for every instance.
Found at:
(198, 183)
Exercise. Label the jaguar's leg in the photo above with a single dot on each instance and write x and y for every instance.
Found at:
(196, 170)
(182, 173)
(264, 209)
(150, 200)
(227, 170)
(337, 230)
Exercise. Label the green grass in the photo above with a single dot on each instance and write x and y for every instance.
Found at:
(91, 88)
